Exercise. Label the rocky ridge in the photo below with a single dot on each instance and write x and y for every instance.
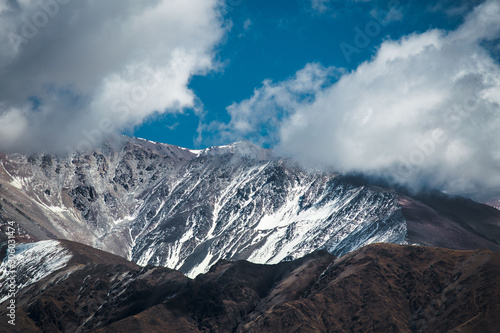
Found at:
(164, 205)
(379, 288)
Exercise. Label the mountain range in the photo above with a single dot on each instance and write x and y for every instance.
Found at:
(149, 237)
(164, 205)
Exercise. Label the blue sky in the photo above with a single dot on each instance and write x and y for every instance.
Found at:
(275, 39)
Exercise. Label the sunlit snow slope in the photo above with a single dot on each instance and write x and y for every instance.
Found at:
(159, 204)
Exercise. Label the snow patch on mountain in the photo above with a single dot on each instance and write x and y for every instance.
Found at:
(32, 263)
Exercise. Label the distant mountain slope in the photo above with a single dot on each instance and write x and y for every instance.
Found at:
(159, 204)
(380, 287)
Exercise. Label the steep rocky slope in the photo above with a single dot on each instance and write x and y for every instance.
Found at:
(380, 287)
(163, 205)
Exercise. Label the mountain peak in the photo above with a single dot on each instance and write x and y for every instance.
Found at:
(240, 148)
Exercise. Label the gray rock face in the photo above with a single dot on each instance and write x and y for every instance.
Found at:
(164, 205)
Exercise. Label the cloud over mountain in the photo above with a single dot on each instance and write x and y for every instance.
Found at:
(424, 109)
(72, 71)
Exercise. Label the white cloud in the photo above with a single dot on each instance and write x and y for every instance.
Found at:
(247, 24)
(454, 7)
(12, 123)
(257, 117)
(94, 64)
(320, 5)
(387, 16)
(425, 109)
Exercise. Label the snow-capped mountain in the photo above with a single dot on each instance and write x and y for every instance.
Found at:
(164, 205)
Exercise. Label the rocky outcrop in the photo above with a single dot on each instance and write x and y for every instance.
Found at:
(378, 288)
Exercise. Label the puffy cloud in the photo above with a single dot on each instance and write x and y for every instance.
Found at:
(96, 67)
(258, 117)
(425, 109)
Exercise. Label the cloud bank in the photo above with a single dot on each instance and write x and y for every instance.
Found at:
(425, 110)
(73, 71)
